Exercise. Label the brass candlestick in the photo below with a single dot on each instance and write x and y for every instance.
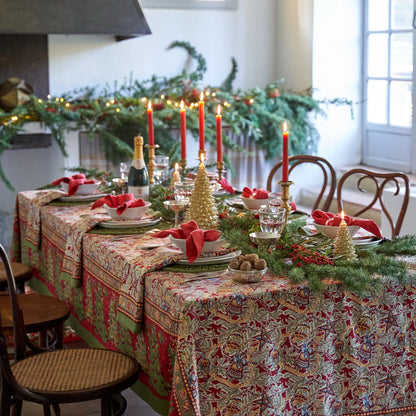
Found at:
(183, 164)
(151, 164)
(286, 196)
(221, 169)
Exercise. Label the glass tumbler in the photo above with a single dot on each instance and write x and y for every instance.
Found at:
(272, 220)
(183, 191)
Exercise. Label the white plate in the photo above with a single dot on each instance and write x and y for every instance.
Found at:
(85, 198)
(237, 202)
(212, 260)
(366, 242)
(129, 223)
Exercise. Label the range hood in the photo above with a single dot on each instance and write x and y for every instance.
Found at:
(122, 18)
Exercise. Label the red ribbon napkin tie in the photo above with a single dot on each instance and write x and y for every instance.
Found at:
(195, 237)
(255, 193)
(121, 202)
(328, 218)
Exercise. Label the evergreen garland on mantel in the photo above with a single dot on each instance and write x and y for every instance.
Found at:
(118, 114)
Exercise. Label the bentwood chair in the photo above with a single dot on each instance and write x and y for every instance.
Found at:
(41, 314)
(60, 376)
(380, 181)
(21, 273)
(329, 180)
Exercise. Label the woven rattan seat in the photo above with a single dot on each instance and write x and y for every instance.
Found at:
(21, 273)
(60, 376)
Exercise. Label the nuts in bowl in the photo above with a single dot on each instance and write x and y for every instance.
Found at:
(247, 268)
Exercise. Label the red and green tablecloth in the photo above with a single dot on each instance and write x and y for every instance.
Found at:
(215, 347)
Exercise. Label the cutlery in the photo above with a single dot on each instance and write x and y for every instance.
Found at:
(204, 276)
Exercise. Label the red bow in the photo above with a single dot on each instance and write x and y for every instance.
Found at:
(226, 186)
(121, 202)
(328, 218)
(195, 238)
(73, 182)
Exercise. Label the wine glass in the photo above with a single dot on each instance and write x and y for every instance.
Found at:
(161, 164)
(183, 191)
(124, 175)
(176, 207)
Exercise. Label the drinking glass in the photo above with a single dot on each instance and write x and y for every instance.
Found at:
(275, 200)
(183, 191)
(161, 168)
(124, 171)
(272, 220)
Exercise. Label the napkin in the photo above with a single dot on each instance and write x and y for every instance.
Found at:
(328, 218)
(121, 202)
(73, 182)
(226, 186)
(255, 193)
(195, 237)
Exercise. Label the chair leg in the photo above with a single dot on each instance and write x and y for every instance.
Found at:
(16, 407)
(56, 409)
(46, 410)
(5, 400)
(119, 404)
(106, 409)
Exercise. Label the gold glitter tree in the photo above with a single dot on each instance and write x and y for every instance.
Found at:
(202, 208)
(344, 246)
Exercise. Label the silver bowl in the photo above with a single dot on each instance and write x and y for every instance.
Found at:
(250, 276)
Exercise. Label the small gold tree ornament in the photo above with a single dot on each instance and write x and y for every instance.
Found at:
(202, 208)
(344, 246)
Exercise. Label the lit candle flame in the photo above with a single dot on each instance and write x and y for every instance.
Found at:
(149, 105)
(201, 97)
(182, 105)
(176, 166)
(218, 110)
(284, 126)
(202, 158)
(342, 215)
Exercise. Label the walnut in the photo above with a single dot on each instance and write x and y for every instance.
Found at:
(241, 258)
(234, 264)
(252, 257)
(245, 265)
(260, 264)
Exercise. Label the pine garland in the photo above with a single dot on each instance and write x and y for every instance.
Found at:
(358, 276)
(117, 114)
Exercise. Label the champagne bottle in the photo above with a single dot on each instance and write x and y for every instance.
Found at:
(138, 180)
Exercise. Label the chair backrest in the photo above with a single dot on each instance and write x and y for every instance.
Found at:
(379, 181)
(18, 324)
(329, 182)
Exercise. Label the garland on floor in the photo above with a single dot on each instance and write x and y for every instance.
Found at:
(301, 258)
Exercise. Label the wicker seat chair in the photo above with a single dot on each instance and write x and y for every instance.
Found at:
(329, 182)
(380, 181)
(59, 376)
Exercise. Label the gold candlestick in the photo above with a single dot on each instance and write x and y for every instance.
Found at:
(151, 164)
(286, 196)
(221, 169)
(183, 164)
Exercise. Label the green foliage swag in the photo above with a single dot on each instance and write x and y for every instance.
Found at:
(118, 114)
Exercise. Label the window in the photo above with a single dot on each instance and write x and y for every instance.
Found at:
(389, 75)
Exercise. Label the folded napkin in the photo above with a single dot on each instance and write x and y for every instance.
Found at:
(226, 186)
(73, 182)
(328, 218)
(121, 202)
(255, 193)
(195, 238)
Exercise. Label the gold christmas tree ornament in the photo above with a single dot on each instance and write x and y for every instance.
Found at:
(344, 246)
(175, 177)
(202, 208)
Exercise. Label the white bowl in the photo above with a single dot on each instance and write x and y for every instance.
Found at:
(84, 189)
(250, 276)
(209, 246)
(331, 230)
(130, 213)
(253, 204)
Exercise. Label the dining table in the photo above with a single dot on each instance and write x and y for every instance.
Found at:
(209, 345)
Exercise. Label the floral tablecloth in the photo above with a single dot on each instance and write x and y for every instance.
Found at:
(215, 347)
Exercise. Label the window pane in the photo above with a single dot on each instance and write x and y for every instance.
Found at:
(401, 103)
(377, 102)
(378, 15)
(378, 55)
(401, 14)
(401, 55)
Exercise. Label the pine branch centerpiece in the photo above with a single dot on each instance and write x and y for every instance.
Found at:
(344, 247)
(202, 207)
